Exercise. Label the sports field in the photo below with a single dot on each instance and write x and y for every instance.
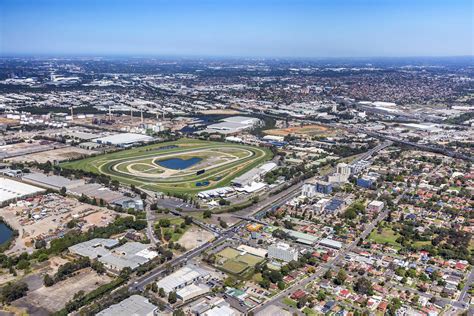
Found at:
(183, 166)
(232, 261)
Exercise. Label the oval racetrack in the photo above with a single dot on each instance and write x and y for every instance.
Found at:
(218, 163)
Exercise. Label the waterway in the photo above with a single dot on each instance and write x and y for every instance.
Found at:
(5, 233)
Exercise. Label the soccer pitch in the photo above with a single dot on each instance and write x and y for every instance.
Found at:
(183, 166)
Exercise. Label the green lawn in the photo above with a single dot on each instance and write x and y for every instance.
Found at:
(257, 277)
(387, 236)
(228, 253)
(235, 267)
(196, 215)
(288, 301)
(230, 260)
(249, 259)
(420, 244)
(175, 222)
(308, 311)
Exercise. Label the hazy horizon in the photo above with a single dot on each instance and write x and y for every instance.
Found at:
(182, 56)
(238, 29)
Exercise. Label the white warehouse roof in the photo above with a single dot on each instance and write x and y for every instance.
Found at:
(269, 166)
(241, 120)
(51, 181)
(10, 189)
(123, 139)
(326, 242)
(181, 278)
(130, 254)
(135, 305)
(191, 291)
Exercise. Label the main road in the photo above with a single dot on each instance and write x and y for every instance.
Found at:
(258, 210)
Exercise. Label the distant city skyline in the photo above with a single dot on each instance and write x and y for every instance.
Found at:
(300, 29)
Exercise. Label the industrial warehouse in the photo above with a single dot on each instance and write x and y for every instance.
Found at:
(129, 255)
(11, 190)
(182, 278)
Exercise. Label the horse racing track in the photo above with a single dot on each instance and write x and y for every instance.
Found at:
(183, 166)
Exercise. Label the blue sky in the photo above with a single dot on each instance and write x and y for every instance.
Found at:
(260, 28)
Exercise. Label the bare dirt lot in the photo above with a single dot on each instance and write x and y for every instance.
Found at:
(46, 300)
(9, 122)
(310, 130)
(60, 154)
(229, 218)
(33, 278)
(101, 218)
(195, 237)
(28, 148)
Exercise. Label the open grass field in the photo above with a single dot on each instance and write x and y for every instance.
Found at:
(234, 266)
(308, 311)
(183, 166)
(288, 301)
(228, 253)
(387, 236)
(233, 262)
(249, 259)
(174, 223)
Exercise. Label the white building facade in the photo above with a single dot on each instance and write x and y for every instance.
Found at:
(282, 251)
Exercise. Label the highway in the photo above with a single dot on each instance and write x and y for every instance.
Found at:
(372, 151)
(428, 147)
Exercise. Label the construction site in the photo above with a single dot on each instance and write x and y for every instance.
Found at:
(45, 217)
